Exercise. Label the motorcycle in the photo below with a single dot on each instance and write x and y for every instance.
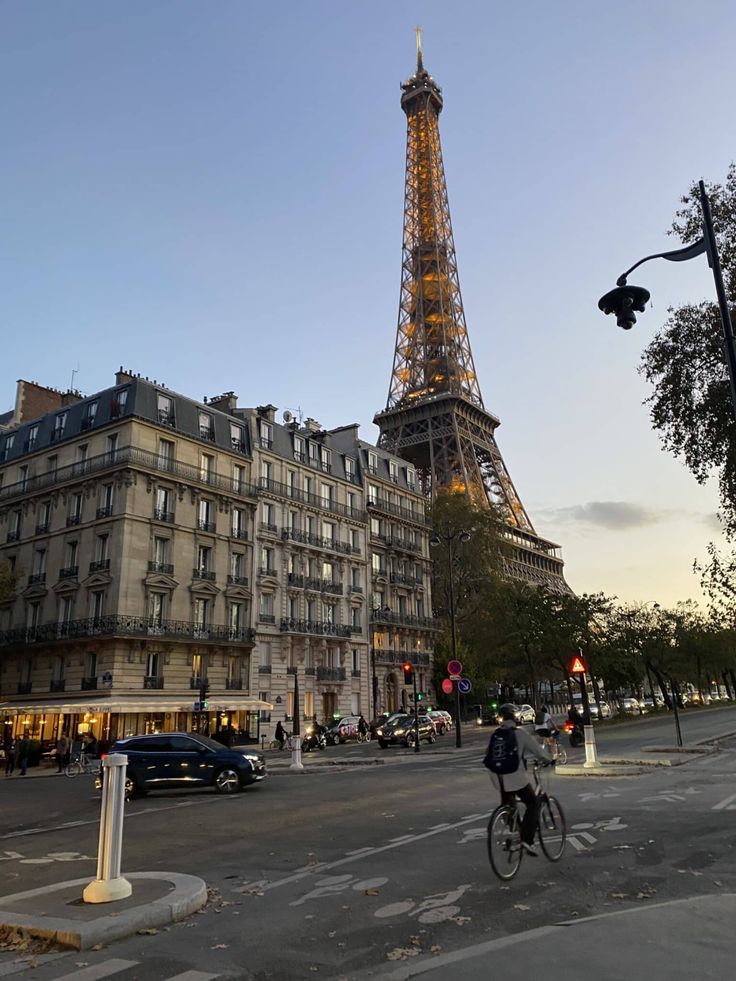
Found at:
(313, 740)
(575, 733)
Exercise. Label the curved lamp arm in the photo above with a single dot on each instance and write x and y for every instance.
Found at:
(677, 255)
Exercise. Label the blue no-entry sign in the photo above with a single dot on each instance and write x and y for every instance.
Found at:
(464, 686)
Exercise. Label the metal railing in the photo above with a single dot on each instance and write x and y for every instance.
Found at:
(237, 580)
(297, 494)
(89, 684)
(387, 507)
(404, 620)
(70, 572)
(323, 628)
(305, 538)
(204, 574)
(153, 682)
(101, 565)
(165, 567)
(124, 626)
(331, 674)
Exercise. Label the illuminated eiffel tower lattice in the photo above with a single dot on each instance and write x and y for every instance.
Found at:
(434, 416)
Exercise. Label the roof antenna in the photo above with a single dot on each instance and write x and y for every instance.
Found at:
(420, 64)
(75, 371)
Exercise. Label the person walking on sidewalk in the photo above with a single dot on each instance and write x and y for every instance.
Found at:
(24, 748)
(62, 752)
(9, 756)
(280, 735)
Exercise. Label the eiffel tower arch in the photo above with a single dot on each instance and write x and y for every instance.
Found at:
(434, 416)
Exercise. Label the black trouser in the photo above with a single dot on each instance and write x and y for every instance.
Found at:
(531, 815)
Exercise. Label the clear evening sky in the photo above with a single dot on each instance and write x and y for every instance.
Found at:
(211, 194)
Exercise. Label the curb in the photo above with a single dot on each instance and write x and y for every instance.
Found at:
(189, 894)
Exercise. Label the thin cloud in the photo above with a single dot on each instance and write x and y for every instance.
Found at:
(612, 515)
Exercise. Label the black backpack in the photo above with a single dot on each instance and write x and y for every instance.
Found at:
(502, 756)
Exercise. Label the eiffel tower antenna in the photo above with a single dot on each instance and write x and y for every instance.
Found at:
(434, 416)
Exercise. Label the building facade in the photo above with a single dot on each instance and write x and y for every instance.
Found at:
(160, 545)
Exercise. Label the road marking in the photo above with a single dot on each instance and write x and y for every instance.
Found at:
(193, 976)
(96, 971)
(670, 798)
(578, 840)
(726, 805)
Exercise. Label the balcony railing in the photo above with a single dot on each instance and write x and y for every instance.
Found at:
(122, 626)
(296, 580)
(153, 682)
(24, 687)
(330, 674)
(355, 673)
(323, 628)
(266, 570)
(420, 659)
(160, 514)
(206, 525)
(37, 577)
(57, 684)
(267, 618)
(203, 574)
(13, 536)
(105, 511)
(89, 684)
(388, 507)
(42, 528)
(404, 544)
(296, 494)
(290, 669)
(73, 519)
(240, 533)
(101, 565)
(404, 580)
(268, 528)
(305, 538)
(233, 684)
(196, 681)
(355, 588)
(264, 669)
(237, 581)
(164, 567)
(405, 620)
(70, 572)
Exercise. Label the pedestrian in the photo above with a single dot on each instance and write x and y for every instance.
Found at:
(10, 751)
(62, 752)
(24, 748)
(280, 735)
(90, 744)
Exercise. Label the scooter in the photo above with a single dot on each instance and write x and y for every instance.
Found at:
(313, 740)
(575, 733)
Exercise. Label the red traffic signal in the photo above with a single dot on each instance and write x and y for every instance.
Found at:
(408, 670)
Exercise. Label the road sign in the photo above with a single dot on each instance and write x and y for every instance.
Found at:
(455, 677)
(197, 707)
(447, 686)
(577, 665)
(454, 667)
(465, 686)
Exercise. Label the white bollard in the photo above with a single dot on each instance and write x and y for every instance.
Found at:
(296, 753)
(109, 884)
(591, 755)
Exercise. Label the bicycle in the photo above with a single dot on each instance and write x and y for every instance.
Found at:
(81, 764)
(275, 744)
(557, 750)
(364, 737)
(504, 831)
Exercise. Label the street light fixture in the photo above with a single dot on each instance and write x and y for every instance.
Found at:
(626, 301)
(450, 538)
(378, 611)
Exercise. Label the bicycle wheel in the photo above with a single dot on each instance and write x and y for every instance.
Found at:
(561, 756)
(73, 769)
(504, 842)
(552, 828)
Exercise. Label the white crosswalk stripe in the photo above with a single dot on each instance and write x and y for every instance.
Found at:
(729, 804)
(95, 972)
(107, 969)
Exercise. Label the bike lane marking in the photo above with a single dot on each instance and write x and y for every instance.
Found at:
(728, 804)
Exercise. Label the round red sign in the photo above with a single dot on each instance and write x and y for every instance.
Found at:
(447, 686)
(454, 667)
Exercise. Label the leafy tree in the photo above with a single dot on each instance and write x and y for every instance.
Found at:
(8, 582)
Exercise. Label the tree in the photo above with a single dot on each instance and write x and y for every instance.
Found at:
(8, 582)
(690, 406)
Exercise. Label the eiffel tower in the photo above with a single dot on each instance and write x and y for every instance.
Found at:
(434, 416)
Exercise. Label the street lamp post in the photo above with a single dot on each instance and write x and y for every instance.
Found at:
(449, 538)
(626, 301)
(374, 677)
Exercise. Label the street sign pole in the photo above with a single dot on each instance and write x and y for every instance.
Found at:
(416, 713)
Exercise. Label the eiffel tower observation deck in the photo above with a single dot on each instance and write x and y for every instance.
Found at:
(435, 417)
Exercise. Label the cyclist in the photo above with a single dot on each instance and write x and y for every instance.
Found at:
(546, 730)
(516, 783)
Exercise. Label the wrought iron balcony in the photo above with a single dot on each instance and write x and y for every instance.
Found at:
(418, 516)
(297, 580)
(105, 511)
(356, 628)
(319, 627)
(164, 567)
(166, 418)
(125, 626)
(405, 620)
(153, 682)
(24, 687)
(404, 580)
(331, 674)
(203, 574)
(268, 528)
(239, 533)
(267, 618)
(206, 525)
(196, 681)
(355, 588)
(159, 514)
(208, 433)
(42, 528)
(355, 673)
(70, 572)
(57, 684)
(237, 581)
(403, 544)
(290, 669)
(101, 565)
(73, 519)
(266, 570)
(264, 669)
(305, 538)
(89, 684)
(13, 536)
(233, 684)
(309, 671)
(37, 577)
(420, 659)
(297, 494)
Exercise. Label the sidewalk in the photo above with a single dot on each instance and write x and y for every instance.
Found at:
(677, 940)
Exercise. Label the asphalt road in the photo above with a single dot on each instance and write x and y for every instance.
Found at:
(347, 872)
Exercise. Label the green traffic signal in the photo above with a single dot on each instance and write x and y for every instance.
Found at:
(419, 696)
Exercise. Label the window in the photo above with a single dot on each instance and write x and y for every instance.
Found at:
(7, 446)
(355, 656)
(205, 516)
(204, 558)
(237, 564)
(199, 668)
(350, 468)
(372, 462)
(355, 617)
(265, 657)
(328, 613)
(166, 453)
(206, 426)
(355, 579)
(267, 563)
(238, 523)
(23, 476)
(393, 471)
(65, 609)
(294, 607)
(326, 459)
(163, 510)
(375, 526)
(313, 453)
(97, 604)
(327, 493)
(165, 410)
(59, 426)
(33, 614)
(59, 669)
(238, 479)
(152, 664)
(411, 477)
(291, 483)
(265, 715)
(311, 610)
(32, 437)
(308, 487)
(14, 525)
(44, 518)
(201, 615)
(71, 555)
(160, 552)
(266, 472)
(237, 438)
(328, 531)
(206, 467)
(89, 415)
(75, 509)
(353, 502)
(119, 401)
(373, 496)
(39, 564)
(112, 447)
(101, 545)
(355, 540)
(294, 520)
(106, 498)
(299, 448)
(376, 563)
(266, 609)
(328, 571)
(156, 602)
(265, 434)
(53, 464)
(236, 619)
(234, 671)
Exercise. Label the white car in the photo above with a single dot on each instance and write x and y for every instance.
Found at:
(632, 706)
(442, 720)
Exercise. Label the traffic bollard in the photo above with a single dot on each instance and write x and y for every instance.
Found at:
(109, 884)
(591, 755)
(296, 753)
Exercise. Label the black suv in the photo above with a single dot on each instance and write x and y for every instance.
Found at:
(186, 759)
(400, 729)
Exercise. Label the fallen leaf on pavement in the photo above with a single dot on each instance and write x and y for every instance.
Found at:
(332, 933)
(372, 892)
(618, 895)
(435, 949)
(219, 946)
(401, 953)
(460, 920)
(147, 932)
(521, 906)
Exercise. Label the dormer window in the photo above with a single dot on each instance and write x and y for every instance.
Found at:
(89, 415)
(206, 426)
(8, 445)
(300, 451)
(350, 468)
(59, 426)
(372, 462)
(265, 434)
(119, 401)
(32, 437)
(326, 459)
(411, 477)
(237, 438)
(314, 453)
(393, 471)
(165, 410)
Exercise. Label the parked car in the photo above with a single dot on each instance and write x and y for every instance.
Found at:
(525, 714)
(343, 730)
(399, 730)
(632, 706)
(165, 760)
(442, 720)
(605, 707)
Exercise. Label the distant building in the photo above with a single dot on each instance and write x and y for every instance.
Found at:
(162, 544)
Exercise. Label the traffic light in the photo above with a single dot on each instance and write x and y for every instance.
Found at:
(420, 696)
(203, 689)
(408, 670)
